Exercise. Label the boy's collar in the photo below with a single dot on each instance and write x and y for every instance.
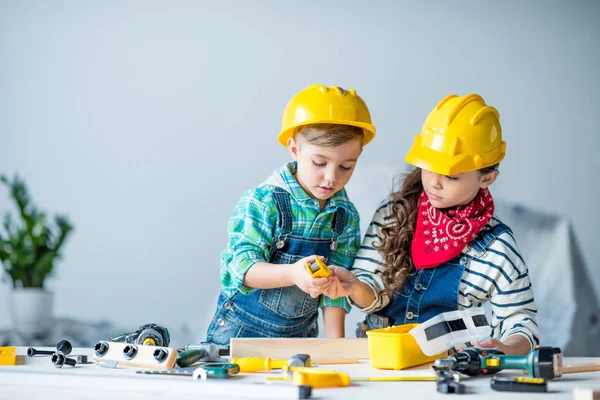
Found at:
(287, 173)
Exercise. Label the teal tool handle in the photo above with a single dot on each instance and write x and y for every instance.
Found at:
(520, 362)
(221, 371)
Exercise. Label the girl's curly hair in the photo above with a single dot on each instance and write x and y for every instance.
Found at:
(395, 245)
(398, 233)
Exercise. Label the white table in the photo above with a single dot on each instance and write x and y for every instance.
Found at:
(38, 379)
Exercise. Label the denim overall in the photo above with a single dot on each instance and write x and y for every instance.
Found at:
(432, 291)
(280, 312)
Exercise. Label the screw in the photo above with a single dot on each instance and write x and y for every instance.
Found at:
(34, 352)
(81, 359)
(64, 346)
(160, 355)
(101, 348)
(130, 351)
(59, 359)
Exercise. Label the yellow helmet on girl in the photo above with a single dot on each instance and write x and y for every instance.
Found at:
(460, 134)
(318, 104)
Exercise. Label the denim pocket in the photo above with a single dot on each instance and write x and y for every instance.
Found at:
(221, 329)
(289, 301)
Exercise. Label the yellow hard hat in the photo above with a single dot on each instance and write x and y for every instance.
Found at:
(318, 104)
(460, 134)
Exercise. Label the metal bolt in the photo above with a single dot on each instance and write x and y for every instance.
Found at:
(81, 359)
(101, 348)
(130, 351)
(64, 346)
(160, 355)
(59, 359)
(34, 352)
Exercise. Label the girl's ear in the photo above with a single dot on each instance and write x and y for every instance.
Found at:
(293, 148)
(489, 178)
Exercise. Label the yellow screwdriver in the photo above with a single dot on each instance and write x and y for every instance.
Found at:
(256, 364)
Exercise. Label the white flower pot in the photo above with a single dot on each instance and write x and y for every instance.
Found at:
(31, 310)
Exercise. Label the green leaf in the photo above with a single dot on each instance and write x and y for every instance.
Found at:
(28, 250)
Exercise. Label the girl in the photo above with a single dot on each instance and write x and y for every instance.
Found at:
(436, 245)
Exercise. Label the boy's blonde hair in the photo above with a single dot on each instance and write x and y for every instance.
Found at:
(330, 135)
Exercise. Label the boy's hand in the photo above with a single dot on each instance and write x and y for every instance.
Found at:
(301, 278)
(343, 283)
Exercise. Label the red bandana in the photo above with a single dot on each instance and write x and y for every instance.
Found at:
(441, 236)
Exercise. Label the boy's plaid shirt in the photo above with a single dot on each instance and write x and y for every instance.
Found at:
(254, 225)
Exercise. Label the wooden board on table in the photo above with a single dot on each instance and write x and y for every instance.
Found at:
(283, 348)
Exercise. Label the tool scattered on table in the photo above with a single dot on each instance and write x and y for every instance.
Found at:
(324, 378)
(149, 334)
(335, 361)
(64, 346)
(137, 356)
(452, 329)
(8, 355)
(81, 359)
(203, 352)
(318, 269)
(518, 384)
(313, 377)
(448, 382)
(35, 352)
(218, 370)
(256, 364)
(59, 359)
(541, 362)
(396, 379)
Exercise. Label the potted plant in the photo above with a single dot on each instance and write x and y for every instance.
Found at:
(29, 249)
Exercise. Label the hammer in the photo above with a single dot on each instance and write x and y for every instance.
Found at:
(255, 364)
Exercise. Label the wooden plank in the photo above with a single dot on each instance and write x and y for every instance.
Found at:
(283, 348)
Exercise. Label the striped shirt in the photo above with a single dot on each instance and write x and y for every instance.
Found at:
(254, 225)
(499, 276)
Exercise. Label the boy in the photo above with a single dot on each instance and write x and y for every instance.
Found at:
(300, 212)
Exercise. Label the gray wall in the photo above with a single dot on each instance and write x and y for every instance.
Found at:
(145, 121)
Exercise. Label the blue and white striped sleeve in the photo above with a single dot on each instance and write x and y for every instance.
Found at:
(513, 306)
(368, 263)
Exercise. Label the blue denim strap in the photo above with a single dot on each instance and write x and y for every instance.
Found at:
(482, 242)
(284, 207)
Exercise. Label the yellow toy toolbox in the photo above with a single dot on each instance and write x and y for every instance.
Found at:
(8, 355)
(395, 348)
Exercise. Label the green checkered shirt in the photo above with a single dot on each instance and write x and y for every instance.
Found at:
(253, 227)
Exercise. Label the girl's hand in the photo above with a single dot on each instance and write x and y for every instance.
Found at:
(342, 284)
(496, 344)
(301, 278)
